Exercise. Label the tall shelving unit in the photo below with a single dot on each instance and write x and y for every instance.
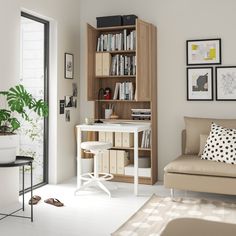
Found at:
(145, 83)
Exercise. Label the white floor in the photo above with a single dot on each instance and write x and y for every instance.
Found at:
(87, 214)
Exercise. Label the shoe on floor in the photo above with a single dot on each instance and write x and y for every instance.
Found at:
(34, 200)
(54, 202)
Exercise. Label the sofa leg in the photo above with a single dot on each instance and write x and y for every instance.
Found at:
(172, 194)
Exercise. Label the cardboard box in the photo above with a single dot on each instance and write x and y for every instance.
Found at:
(113, 159)
(142, 172)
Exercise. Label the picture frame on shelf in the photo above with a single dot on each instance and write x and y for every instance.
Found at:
(69, 66)
(200, 83)
(203, 52)
(225, 83)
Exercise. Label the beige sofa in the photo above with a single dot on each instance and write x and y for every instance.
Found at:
(190, 172)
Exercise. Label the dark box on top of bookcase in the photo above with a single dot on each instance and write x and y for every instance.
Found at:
(129, 19)
(109, 21)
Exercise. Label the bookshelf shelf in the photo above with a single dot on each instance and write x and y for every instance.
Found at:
(116, 77)
(115, 28)
(116, 100)
(142, 86)
(131, 148)
(122, 52)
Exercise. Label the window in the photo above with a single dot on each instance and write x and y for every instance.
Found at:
(34, 72)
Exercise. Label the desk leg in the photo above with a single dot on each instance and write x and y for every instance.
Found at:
(79, 157)
(136, 163)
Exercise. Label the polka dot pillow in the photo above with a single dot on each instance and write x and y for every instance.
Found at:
(220, 145)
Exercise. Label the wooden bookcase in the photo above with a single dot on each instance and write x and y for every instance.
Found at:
(145, 83)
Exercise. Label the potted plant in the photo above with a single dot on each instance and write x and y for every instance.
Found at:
(18, 104)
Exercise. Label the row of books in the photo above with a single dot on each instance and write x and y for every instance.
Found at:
(141, 114)
(124, 91)
(123, 65)
(146, 139)
(113, 161)
(118, 41)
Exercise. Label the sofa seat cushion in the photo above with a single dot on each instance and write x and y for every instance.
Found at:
(192, 164)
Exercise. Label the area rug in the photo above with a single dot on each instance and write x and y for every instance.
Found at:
(153, 216)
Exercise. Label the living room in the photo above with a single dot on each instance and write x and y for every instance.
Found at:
(177, 24)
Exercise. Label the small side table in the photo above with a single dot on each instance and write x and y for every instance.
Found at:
(21, 161)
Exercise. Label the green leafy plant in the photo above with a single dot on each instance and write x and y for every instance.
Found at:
(19, 101)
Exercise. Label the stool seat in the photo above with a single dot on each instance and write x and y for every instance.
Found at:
(96, 146)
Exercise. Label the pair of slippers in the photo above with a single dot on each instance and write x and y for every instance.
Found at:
(52, 201)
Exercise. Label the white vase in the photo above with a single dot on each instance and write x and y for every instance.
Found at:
(87, 165)
(8, 147)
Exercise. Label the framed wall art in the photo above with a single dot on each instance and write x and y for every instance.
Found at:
(226, 83)
(199, 83)
(69, 66)
(203, 51)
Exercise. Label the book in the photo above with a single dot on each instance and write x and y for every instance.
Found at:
(113, 161)
(98, 59)
(128, 140)
(116, 91)
(106, 63)
(102, 136)
(106, 161)
(118, 139)
(110, 137)
(121, 161)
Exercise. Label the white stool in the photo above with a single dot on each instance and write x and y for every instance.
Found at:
(96, 178)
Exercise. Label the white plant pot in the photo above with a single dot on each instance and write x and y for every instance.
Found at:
(87, 165)
(8, 147)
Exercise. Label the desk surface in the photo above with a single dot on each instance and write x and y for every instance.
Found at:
(119, 127)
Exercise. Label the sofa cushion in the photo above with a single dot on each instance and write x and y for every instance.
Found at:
(220, 145)
(197, 126)
(192, 164)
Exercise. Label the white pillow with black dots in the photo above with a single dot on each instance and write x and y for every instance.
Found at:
(220, 145)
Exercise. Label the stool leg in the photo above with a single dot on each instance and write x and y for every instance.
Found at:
(102, 186)
(96, 158)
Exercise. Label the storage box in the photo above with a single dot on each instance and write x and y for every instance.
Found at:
(129, 19)
(109, 21)
(143, 172)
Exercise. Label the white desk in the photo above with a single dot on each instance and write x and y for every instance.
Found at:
(134, 128)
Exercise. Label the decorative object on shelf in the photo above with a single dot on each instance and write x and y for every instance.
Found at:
(68, 101)
(69, 66)
(74, 90)
(107, 93)
(67, 115)
(109, 21)
(100, 96)
(203, 51)
(19, 102)
(199, 83)
(108, 113)
(114, 116)
(89, 121)
(62, 107)
(141, 114)
(226, 83)
(129, 19)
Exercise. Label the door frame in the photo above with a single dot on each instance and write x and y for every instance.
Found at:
(46, 94)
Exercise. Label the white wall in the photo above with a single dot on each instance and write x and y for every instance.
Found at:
(177, 21)
(64, 18)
